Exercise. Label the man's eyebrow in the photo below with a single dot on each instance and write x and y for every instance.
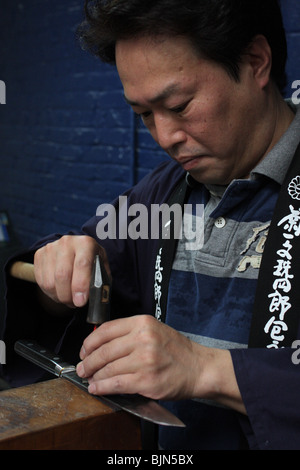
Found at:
(163, 95)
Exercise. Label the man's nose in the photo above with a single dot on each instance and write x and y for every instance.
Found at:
(167, 132)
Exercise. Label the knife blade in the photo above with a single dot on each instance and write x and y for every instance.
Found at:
(137, 405)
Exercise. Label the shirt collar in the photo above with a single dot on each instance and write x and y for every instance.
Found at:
(277, 161)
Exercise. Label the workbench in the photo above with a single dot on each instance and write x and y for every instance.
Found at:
(57, 415)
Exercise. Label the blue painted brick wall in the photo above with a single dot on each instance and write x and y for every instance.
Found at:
(291, 16)
(68, 142)
(66, 133)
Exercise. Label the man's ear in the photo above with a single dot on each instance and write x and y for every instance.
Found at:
(259, 56)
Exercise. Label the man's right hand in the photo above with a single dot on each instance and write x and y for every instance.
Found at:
(63, 268)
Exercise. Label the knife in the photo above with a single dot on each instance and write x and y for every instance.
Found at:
(137, 405)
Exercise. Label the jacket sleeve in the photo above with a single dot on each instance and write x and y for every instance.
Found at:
(269, 382)
(132, 266)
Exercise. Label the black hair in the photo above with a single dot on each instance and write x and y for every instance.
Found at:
(220, 30)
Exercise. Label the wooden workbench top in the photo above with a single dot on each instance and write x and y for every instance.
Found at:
(58, 415)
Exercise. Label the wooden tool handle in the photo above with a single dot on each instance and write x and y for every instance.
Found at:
(23, 271)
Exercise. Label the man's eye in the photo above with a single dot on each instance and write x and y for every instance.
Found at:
(179, 109)
(146, 114)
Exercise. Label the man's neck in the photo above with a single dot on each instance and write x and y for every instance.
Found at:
(284, 117)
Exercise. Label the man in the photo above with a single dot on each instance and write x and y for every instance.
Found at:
(205, 77)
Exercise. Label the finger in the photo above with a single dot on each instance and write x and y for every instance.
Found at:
(44, 273)
(129, 375)
(129, 364)
(63, 272)
(83, 266)
(105, 356)
(105, 333)
(81, 278)
(115, 385)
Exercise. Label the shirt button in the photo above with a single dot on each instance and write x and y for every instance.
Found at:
(220, 222)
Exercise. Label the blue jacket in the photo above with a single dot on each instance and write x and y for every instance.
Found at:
(269, 380)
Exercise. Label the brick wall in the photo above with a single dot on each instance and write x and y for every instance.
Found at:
(291, 16)
(68, 142)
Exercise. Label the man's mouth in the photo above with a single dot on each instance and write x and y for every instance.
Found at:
(188, 163)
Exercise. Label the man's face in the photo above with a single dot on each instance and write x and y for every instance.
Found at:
(194, 110)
